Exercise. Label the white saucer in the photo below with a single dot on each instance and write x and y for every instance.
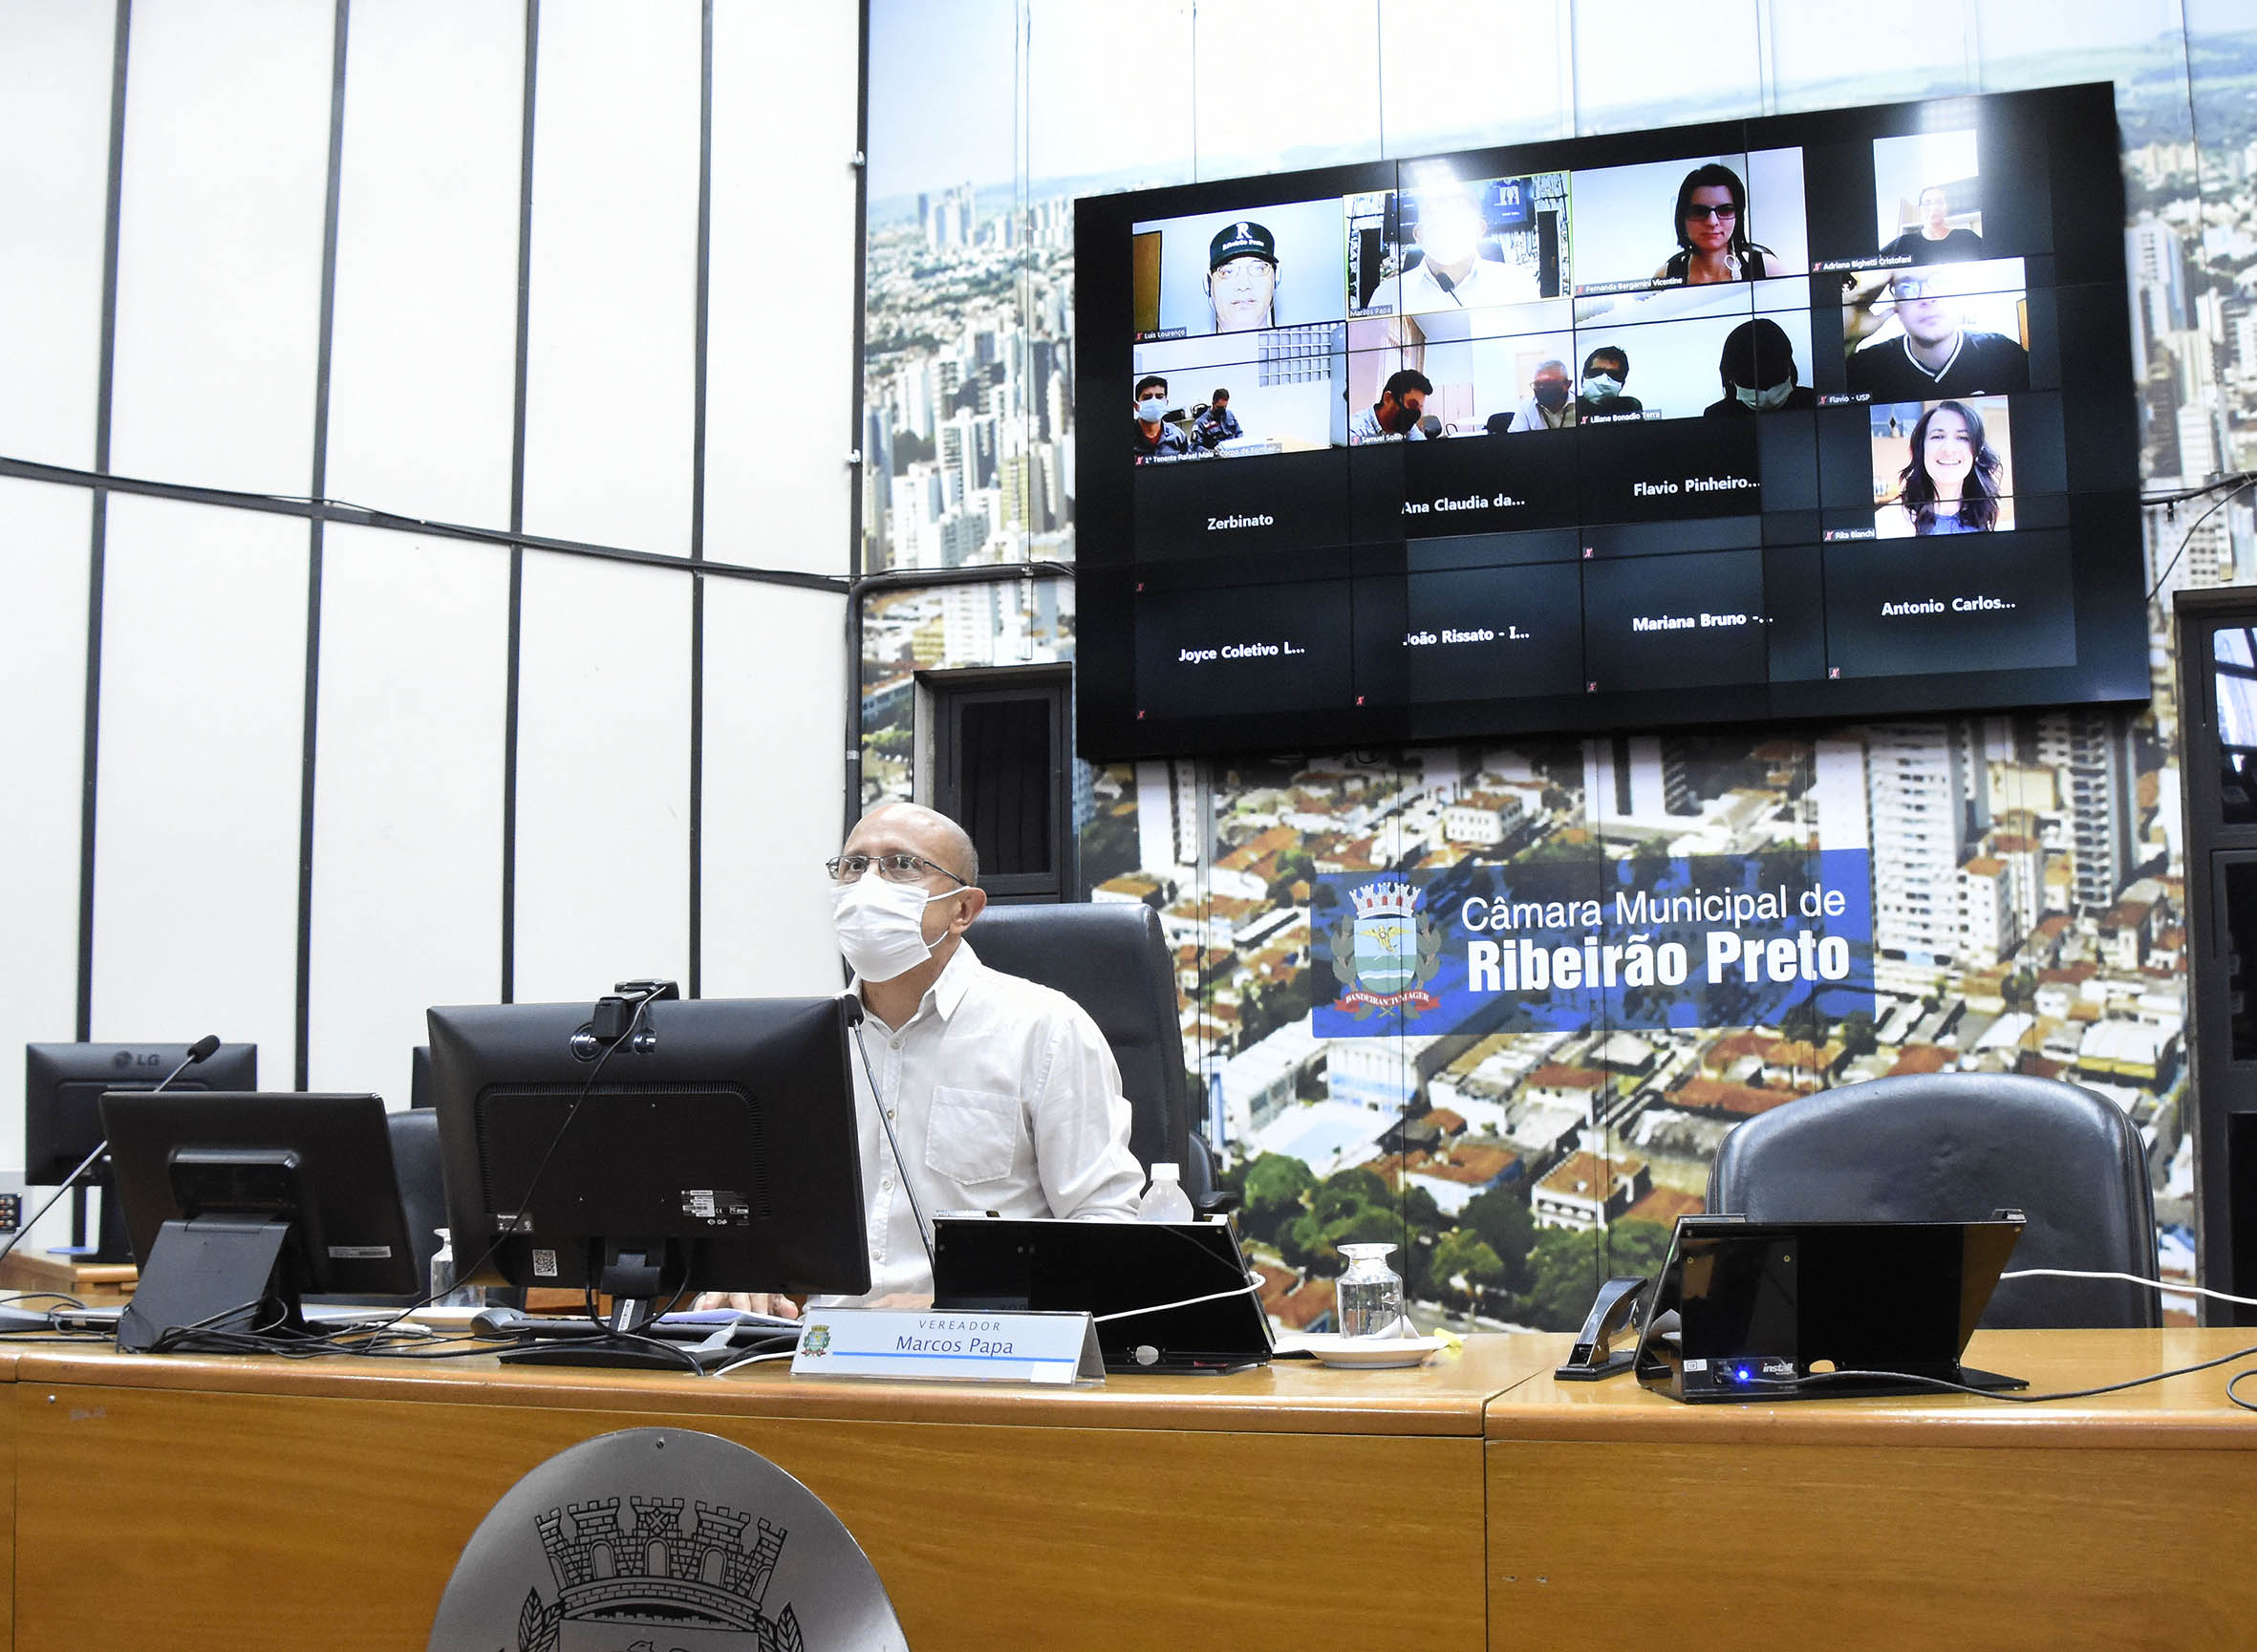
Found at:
(1373, 1353)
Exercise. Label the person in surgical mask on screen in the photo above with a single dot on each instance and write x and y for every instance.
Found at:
(1551, 400)
(1155, 436)
(1002, 1094)
(1605, 371)
(1757, 370)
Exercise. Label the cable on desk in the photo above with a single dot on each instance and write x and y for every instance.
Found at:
(2173, 1286)
(1246, 1290)
(1818, 1379)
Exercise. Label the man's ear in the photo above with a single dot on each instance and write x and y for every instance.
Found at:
(974, 903)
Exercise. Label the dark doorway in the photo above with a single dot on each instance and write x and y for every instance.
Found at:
(1000, 763)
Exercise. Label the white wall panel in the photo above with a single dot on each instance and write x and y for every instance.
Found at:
(1270, 96)
(775, 787)
(610, 380)
(55, 129)
(43, 550)
(423, 362)
(603, 777)
(219, 254)
(203, 678)
(1638, 64)
(779, 318)
(407, 807)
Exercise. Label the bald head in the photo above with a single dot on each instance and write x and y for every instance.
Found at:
(921, 830)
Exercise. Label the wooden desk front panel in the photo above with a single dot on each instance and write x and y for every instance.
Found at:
(1879, 1545)
(252, 1521)
(1944, 1522)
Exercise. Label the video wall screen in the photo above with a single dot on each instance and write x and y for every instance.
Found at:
(1823, 415)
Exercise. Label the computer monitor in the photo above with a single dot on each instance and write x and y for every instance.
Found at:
(239, 1202)
(63, 1088)
(714, 1149)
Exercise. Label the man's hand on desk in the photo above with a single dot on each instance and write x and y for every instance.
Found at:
(782, 1307)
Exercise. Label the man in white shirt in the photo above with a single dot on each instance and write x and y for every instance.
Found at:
(1003, 1094)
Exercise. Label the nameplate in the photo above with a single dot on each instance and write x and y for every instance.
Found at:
(948, 1345)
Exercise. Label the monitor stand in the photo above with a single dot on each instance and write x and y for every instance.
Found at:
(211, 1272)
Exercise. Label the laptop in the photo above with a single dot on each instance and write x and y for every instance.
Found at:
(1112, 1269)
(1768, 1310)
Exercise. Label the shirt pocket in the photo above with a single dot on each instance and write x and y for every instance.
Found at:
(973, 1135)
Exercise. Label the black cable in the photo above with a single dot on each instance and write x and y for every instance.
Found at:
(1818, 1379)
(2232, 487)
(2233, 1381)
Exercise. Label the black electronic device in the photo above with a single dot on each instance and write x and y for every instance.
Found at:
(714, 1149)
(1768, 1310)
(63, 1088)
(1651, 457)
(1614, 1313)
(1115, 1271)
(239, 1202)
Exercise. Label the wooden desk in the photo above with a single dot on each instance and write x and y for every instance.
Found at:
(96, 1284)
(2126, 1520)
(262, 1504)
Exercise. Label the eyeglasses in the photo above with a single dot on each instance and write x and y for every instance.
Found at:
(1916, 286)
(899, 867)
(1719, 213)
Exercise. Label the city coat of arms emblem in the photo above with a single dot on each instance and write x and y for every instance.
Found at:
(1384, 951)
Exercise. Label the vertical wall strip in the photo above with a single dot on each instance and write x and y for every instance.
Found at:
(314, 547)
(99, 542)
(697, 512)
(852, 800)
(525, 266)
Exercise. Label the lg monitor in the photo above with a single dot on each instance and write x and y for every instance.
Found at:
(63, 1088)
(712, 1148)
(239, 1203)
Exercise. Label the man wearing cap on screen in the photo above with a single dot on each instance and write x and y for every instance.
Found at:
(1934, 241)
(1218, 424)
(1242, 277)
(1937, 357)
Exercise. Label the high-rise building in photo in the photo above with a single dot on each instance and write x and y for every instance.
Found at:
(1916, 791)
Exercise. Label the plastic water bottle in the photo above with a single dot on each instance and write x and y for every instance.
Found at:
(1165, 1200)
(444, 1291)
(1370, 1294)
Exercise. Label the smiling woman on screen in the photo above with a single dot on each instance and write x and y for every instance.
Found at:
(1951, 485)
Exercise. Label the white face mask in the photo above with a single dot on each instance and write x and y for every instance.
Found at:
(1151, 409)
(881, 926)
(1764, 400)
(1600, 386)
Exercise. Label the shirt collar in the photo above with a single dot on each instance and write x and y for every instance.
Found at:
(1958, 344)
(946, 992)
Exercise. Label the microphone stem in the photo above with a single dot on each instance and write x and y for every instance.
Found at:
(886, 1122)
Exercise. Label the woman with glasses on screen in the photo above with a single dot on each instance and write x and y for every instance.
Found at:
(1712, 223)
(1952, 483)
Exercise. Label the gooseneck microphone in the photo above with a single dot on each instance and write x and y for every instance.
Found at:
(201, 1050)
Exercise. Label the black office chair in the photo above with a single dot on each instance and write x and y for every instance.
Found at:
(1955, 1147)
(1111, 959)
(423, 1193)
